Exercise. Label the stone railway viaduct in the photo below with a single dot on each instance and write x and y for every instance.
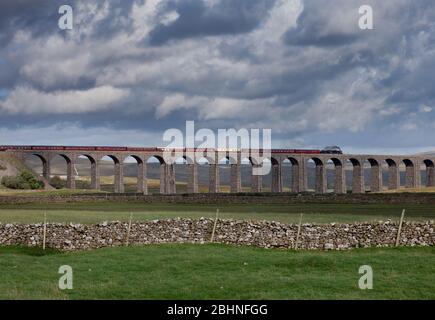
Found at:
(299, 171)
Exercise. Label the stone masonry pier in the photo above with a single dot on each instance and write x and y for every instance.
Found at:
(300, 164)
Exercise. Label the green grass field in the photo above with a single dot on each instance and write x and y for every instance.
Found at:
(92, 212)
(217, 272)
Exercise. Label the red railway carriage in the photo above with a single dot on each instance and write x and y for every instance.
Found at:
(142, 149)
(111, 149)
(84, 148)
(18, 147)
(47, 148)
(135, 149)
(297, 151)
(282, 150)
(307, 151)
(139, 149)
(146, 149)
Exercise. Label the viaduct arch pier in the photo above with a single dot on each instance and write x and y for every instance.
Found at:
(348, 171)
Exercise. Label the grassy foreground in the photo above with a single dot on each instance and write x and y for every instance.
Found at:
(92, 212)
(217, 272)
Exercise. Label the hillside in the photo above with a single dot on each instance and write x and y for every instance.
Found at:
(11, 165)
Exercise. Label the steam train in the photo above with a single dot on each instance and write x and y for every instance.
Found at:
(154, 149)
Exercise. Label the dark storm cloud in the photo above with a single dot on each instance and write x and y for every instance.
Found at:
(196, 19)
(311, 38)
(312, 76)
(404, 31)
(419, 84)
(38, 17)
(310, 31)
(9, 73)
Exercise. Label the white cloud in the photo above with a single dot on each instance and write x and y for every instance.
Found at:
(409, 126)
(176, 102)
(214, 108)
(30, 101)
(73, 134)
(170, 18)
(282, 17)
(425, 109)
(144, 16)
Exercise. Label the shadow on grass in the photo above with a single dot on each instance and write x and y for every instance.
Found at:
(28, 251)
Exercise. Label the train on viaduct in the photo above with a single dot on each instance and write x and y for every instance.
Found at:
(300, 161)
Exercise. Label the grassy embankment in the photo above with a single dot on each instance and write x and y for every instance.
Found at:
(92, 212)
(217, 272)
(214, 271)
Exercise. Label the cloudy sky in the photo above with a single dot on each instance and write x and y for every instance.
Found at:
(131, 69)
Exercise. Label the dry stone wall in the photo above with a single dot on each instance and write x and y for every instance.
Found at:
(263, 234)
(223, 198)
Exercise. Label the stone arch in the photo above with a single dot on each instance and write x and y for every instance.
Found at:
(266, 179)
(62, 168)
(229, 175)
(157, 157)
(201, 154)
(276, 183)
(115, 159)
(44, 167)
(246, 171)
(229, 159)
(185, 171)
(272, 177)
(319, 175)
(206, 159)
(429, 173)
(158, 170)
(339, 177)
(118, 172)
(187, 159)
(205, 174)
(411, 177)
(67, 158)
(291, 169)
(357, 175)
(375, 175)
(94, 171)
(393, 174)
(135, 157)
(141, 185)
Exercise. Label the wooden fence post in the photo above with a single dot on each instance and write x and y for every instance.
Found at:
(45, 231)
(128, 229)
(400, 228)
(299, 231)
(214, 226)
